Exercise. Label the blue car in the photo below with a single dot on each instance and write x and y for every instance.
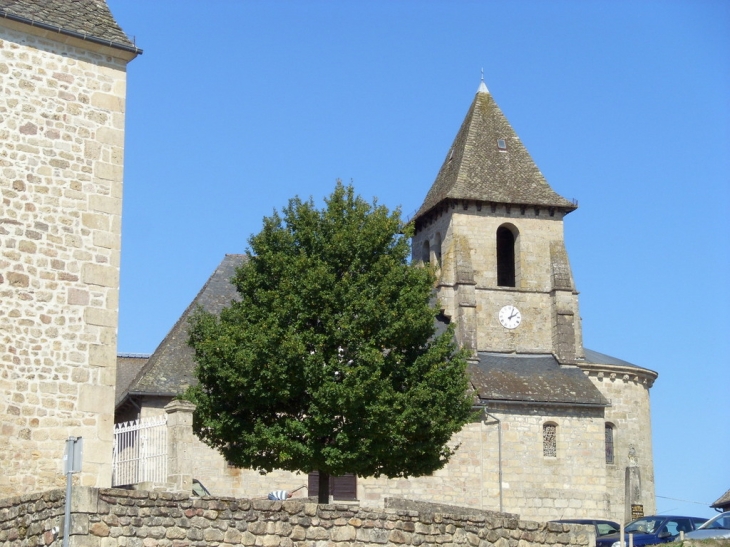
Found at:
(651, 530)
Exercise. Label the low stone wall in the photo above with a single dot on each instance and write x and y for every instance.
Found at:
(28, 521)
(430, 508)
(134, 518)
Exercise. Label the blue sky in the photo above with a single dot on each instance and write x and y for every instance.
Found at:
(235, 107)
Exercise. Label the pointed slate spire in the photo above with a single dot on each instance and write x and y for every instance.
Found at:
(488, 163)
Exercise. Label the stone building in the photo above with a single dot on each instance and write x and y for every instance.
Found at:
(567, 430)
(62, 95)
(564, 432)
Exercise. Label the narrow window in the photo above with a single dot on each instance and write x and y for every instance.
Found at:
(549, 440)
(426, 253)
(437, 249)
(609, 443)
(505, 257)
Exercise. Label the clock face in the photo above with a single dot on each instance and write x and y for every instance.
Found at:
(510, 317)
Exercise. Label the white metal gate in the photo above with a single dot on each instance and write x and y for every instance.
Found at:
(140, 451)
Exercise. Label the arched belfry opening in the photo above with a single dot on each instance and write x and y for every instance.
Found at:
(426, 252)
(506, 256)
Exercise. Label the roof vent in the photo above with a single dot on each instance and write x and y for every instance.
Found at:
(501, 144)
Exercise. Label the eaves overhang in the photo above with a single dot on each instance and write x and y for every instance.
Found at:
(509, 402)
(6, 14)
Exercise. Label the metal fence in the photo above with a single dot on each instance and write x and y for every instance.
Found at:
(140, 451)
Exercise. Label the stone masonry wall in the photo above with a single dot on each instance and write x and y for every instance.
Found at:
(534, 279)
(630, 414)
(573, 484)
(61, 152)
(29, 520)
(570, 485)
(124, 518)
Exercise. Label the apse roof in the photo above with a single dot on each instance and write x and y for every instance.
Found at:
(86, 19)
(531, 378)
(488, 163)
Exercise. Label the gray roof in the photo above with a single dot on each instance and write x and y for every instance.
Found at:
(86, 19)
(531, 378)
(723, 502)
(597, 358)
(128, 366)
(170, 369)
(476, 169)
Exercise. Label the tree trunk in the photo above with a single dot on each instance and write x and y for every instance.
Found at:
(324, 488)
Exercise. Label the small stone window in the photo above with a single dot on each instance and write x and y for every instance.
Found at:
(549, 440)
(609, 444)
(502, 145)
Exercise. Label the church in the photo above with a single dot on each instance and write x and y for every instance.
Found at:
(563, 431)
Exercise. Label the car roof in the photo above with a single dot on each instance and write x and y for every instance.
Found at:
(668, 517)
(579, 521)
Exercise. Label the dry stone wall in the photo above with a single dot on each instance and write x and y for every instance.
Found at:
(61, 153)
(29, 520)
(126, 518)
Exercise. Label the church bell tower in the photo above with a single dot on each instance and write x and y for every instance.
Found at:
(492, 227)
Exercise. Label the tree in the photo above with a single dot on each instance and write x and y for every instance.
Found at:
(329, 361)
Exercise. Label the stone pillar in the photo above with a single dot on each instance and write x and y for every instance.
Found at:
(180, 440)
(634, 507)
(567, 337)
(465, 296)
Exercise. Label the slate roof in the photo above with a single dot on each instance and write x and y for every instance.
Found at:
(723, 502)
(87, 19)
(476, 169)
(128, 366)
(531, 378)
(170, 369)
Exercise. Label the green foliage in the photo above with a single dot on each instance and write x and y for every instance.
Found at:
(329, 361)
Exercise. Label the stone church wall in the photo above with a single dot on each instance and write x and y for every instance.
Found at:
(61, 152)
(476, 252)
(124, 518)
(630, 413)
(570, 485)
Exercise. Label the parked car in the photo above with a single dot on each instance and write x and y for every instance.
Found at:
(652, 530)
(602, 527)
(718, 527)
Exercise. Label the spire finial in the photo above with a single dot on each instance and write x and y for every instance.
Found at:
(482, 85)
